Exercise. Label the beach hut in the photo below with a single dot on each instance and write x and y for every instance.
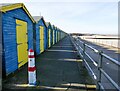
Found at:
(53, 34)
(56, 29)
(17, 36)
(49, 33)
(40, 34)
(58, 34)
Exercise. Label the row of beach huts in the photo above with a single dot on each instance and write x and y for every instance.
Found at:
(20, 32)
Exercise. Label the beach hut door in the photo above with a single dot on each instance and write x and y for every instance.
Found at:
(41, 39)
(21, 38)
(53, 37)
(49, 38)
(56, 36)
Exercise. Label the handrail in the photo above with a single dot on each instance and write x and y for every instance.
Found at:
(109, 58)
(106, 56)
(93, 74)
(101, 86)
(90, 47)
(109, 78)
(99, 64)
(95, 63)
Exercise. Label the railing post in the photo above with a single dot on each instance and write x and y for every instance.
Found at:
(83, 54)
(99, 72)
(77, 47)
(83, 49)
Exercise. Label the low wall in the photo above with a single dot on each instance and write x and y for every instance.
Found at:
(113, 42)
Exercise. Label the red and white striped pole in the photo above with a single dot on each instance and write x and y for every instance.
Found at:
(31, 68)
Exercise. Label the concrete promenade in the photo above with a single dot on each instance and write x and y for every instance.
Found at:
(58, 69)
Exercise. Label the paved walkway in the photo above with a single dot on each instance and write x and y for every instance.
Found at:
(58, 68)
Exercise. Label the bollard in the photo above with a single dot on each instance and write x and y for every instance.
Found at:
(31, 68)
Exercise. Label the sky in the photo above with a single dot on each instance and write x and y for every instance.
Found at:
(77, 16)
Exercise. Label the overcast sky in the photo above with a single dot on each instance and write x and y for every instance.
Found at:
(78, 16)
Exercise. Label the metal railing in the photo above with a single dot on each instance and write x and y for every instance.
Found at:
(81, 49)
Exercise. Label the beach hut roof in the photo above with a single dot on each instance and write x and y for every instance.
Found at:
(37, 18)
(8, 7)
